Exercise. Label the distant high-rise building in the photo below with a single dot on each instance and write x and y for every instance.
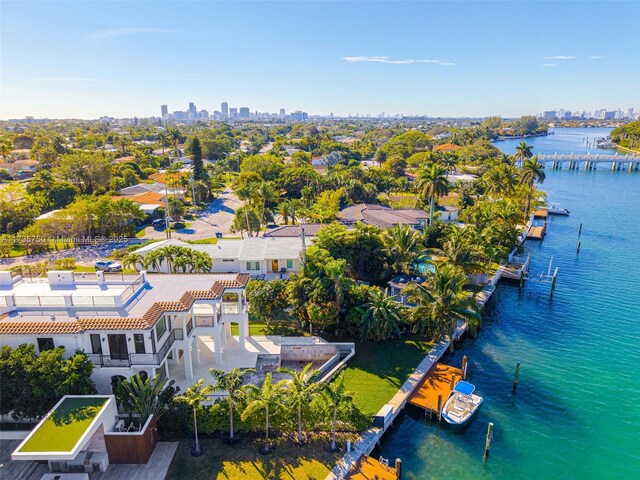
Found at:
(192, 109)
(549, 115)
(244, 112)
(224, 106)
(282, 112)
(299, 116)
(609, 115)
(233, 112)
(164, 110)
(630, 113)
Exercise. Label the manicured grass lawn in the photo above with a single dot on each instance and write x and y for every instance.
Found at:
(277, 327)
(243, 462)
(377, 371)
(203, 241)
(62, 429)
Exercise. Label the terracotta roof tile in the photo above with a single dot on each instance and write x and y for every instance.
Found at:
(148, 320)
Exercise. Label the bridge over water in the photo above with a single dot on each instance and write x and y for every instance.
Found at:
(590, 160)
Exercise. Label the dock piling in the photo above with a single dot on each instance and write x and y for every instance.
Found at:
(516, 377)
(487, 444)
(579, 243)
(398, 468)
(553, 283)
(580, 230)
(439, 407)
(465, 361)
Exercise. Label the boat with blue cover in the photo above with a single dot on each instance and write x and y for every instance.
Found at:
(462, 404)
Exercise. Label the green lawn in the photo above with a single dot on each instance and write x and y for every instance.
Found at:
(243, 462)
(277, 327)
(377, 371)
(65, 426)
(203, 241)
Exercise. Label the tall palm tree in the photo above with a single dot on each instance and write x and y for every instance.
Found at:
(201, 262)
(163, 140)
(432, 183)
(175, 137)
(284, 210)
(153, 260)
(402, 245)
(5, 149)
(441, 302)
(523, 152)
(301, 391)
(195, 396)
(265, 193)
(336, 395)
(458, 250)
(532, 171)
(264, 399)
(382, 317)
(231, 383)
(336, 272)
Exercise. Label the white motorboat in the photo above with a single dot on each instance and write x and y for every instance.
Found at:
(461, 405)
(554, 209)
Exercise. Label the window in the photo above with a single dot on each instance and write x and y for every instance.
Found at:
(138, 341)
(96, 344)
(289, 263)
(227, 260)
(45, 344)
(253, 265)
(228, 297)
(161, 327)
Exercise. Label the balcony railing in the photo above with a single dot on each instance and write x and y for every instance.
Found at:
(231, 308)
(137, 358)
(189, 326)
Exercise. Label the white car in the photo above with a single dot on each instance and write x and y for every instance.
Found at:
(108, 266)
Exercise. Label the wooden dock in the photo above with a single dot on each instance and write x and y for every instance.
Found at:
(537, 233)
(367, 468)
(541, 213)
(439, 381)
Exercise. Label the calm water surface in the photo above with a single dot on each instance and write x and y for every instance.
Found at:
(576, 413)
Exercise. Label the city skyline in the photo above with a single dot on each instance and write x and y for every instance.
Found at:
(90, 60)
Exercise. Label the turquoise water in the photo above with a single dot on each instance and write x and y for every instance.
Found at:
(576, 413)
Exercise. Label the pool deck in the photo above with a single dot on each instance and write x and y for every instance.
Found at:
(439, 381)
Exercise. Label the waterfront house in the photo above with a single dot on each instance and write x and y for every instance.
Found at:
(127, 324)
(383, 217)
(448, 213)
(267, 257)
(291, 231)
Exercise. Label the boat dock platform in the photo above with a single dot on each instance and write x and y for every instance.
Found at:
(541, 213)
(435, 388)
(537, 233)
(516, 268)
(367, 468)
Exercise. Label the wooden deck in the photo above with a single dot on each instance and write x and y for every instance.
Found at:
(368, 468)
(438, 381)
(155, 469)
(537, 233)
(541, 213)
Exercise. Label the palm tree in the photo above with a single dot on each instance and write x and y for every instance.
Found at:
(441, 302)
(147, 397)
(336, 396)
(265, 193)
(132, 260)
(458, 250)
(5, 149)
(523, 152)
(175, 137)
(231, 383)
(163, 140)
(532, 171)
(153, 260)
(263, 399)
(284, 210)
(194, 396)
(432, 183)
(201, 262)
(382, 317)
(402, 245)
(301, 391)
(336, 272)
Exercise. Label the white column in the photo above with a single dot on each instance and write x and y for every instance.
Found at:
(175, 356)
(166, 369)
(217, 345)
(196, 351)
(225, 329)
(188, 366)
(243, 328)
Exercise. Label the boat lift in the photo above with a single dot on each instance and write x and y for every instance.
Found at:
(545, 277)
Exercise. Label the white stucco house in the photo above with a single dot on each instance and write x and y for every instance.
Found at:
(127, 324)
(268, 256)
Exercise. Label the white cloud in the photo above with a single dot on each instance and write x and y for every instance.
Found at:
(560, 57)
(406, 61)
(67, 80)
(596, 57)
(120, 32)
(549, 64)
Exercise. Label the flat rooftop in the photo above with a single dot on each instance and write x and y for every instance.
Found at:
(64, 427)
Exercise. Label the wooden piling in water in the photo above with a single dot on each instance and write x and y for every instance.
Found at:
(439, 407)
(516, 377)
(580, 230)
(399, 468)
(464, 367)
(487, 443)
(553, 282)
(579, 243)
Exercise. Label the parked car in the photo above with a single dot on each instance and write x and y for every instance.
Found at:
(108, 266)
(159, 223)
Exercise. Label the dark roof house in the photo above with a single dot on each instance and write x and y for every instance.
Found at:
(382, 216)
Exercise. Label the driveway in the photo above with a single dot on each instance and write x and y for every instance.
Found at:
(84, 255)
(217, 217)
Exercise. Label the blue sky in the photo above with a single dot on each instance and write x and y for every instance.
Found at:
(87, 59)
